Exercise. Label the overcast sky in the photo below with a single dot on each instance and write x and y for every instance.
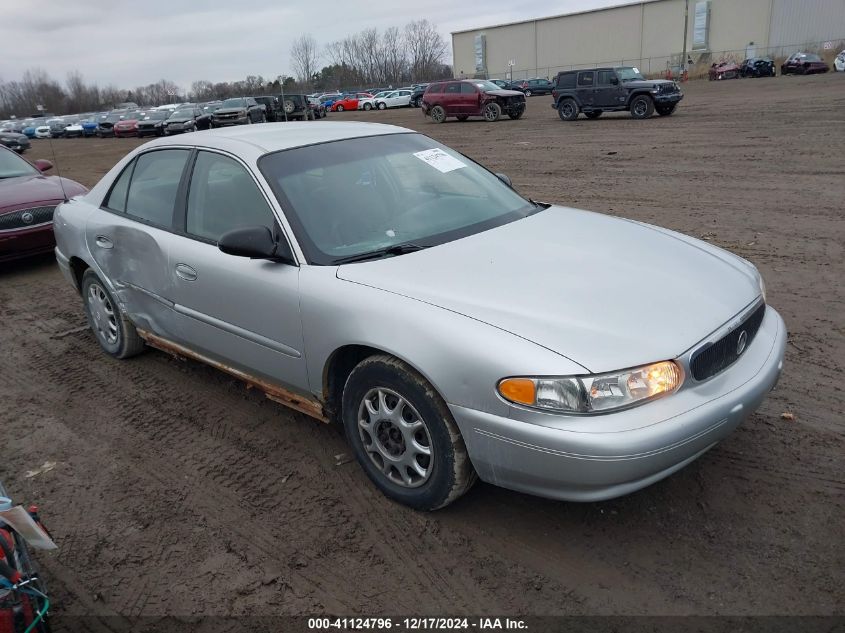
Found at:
(137, 43)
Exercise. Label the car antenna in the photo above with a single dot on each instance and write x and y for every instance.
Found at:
(56, 165)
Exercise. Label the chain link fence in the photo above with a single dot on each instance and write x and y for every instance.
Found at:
(672, 64)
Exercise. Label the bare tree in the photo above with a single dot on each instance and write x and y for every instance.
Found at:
(394, 56)
(304, 57)
(426, 49)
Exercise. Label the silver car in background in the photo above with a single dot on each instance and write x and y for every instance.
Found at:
(369, 275)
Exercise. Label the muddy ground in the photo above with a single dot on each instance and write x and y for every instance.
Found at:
(177, 491)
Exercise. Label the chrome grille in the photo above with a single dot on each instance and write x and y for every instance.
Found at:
(716, 357)
(26, 218)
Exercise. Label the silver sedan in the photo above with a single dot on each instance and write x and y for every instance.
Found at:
(368, 275)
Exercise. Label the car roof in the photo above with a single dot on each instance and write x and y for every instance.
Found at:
(272, 137)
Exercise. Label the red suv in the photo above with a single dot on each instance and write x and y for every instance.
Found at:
(471, 97)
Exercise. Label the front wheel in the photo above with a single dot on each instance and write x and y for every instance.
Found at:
(567, 110)
(642, 107)
(417, 102)
(368, 106)
(527, 93)
(340, 108)
(403, 435)
(438, 114)
(113, 331)
(492, 111)
(382, 105)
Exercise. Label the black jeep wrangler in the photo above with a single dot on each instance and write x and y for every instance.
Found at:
(295, 108)
(612, 90)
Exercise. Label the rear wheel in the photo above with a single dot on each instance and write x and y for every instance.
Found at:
(567, 110)
(340, 108)
(666, 110)
(595, 114)
(403, 435)
(438, 114)
(642, 107)
(528, 93)
(113, 331)
(382, 105)
(417, 102)
(492, 112)
(368, 106)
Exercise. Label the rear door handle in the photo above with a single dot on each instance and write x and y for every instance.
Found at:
(186, 272)
(104, 242)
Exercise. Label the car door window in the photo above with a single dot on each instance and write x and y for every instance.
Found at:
(453, 89)
(585, 79)
(468, 89)
(154, 184)
(116, 200)
(223, 196)
(605, 77)
(566, 81)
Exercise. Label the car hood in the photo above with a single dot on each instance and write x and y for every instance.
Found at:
(229, 110)
(14, 136)
(605, 292)
(505, 93)
(179, 119)
(647, 83)
(22, 190)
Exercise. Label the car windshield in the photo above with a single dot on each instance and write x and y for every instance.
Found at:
(133, 116)
(114, 117)
(233, 103)
(12, 165)
(486, 85)
(157, 115)
(356, 196)
(182, 114)
(629, 73)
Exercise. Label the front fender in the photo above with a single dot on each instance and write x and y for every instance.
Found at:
(462, 358)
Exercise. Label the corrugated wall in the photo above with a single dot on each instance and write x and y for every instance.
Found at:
(799, 22)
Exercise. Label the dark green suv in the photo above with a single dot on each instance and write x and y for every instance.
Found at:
(612, 90)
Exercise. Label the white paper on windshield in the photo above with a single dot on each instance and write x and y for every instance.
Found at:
(440, 160)
(18, 519)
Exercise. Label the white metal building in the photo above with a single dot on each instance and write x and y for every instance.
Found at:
(649, 34)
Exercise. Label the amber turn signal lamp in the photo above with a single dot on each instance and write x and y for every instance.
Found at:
(521, 390)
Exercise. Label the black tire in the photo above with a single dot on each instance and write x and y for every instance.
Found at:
(666, 110)
(368, 106)
(462, 117)
(126, 341)
(642, 107)
(595, 114)
(450, 473)
(438, 114)
(417, 102)
(340, 108)
(492, 112)
(567, 109)
(382, 105)
(527, 92)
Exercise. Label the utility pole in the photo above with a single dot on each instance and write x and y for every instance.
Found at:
(686, 28)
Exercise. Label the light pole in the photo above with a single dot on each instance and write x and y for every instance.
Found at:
(686, 28)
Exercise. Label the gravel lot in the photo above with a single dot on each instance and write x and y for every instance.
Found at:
(177, 491)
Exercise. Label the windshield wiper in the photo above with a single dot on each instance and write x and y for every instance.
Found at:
(396, 249)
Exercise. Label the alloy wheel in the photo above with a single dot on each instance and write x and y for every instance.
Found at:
(103, 315)
(395, 437)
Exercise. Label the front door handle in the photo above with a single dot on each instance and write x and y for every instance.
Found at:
(186, 272)
(104, 242)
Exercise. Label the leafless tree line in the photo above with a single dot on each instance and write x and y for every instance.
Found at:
(392, 57)
(368, 58)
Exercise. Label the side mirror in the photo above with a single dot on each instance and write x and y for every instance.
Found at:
(505, 179)
(256, 242)
(614, 81)
(43, 165)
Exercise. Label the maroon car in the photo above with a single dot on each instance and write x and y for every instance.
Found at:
(471, 97)
(27, 201)
(724, 70)
(803, 64)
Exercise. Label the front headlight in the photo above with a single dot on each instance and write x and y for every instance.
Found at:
(762, 283)
(596, 393)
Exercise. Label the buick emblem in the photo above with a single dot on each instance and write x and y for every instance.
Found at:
(741, 342)
(27, 218)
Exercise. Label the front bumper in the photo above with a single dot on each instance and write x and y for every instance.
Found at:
(671, 97)
(224, 122)
(591, 458)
